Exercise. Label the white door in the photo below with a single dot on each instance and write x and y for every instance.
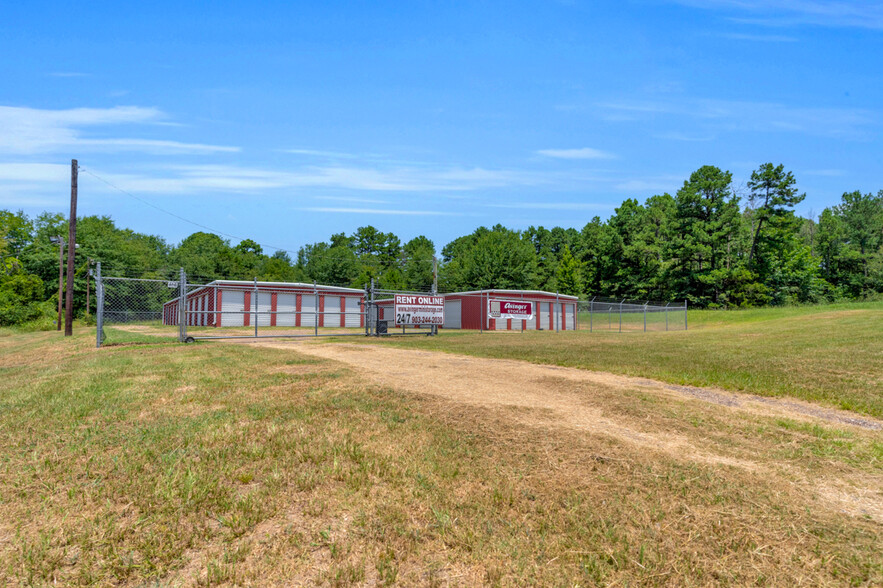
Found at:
(232, 302)
(353, 311)
(544, 316)
(286, 304)
(308, 306)
(265, 304)
(452, 314)
(332, 311)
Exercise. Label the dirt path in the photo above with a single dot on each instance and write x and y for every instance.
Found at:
(482, 381)
(606, 404)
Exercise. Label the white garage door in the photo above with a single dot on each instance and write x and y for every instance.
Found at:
(265, 304)
(307, 310)
(452, 314)
(544, 315)
(285, 308)
(332, 311)
(570, 309)
(232, 302)
(353, 311)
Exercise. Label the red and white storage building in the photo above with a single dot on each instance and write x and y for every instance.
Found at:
(232, 303)
(469, 310)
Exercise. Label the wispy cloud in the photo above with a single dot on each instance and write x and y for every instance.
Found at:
(552, 206)
(830, 13)
(759, 38)
(580, 153)
(28, 131)
(734, 115)
(381, 211)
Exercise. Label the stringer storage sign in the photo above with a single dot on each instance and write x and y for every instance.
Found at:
(510, 309)
(415, 310)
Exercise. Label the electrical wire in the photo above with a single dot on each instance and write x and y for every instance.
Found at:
(179, 217)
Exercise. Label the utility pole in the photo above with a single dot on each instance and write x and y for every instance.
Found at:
(71, 252)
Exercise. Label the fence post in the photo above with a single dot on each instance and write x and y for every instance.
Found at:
(685, 315)
(315, 309)
(480, 312)
(557, 311)
(645, 316)
(182, 306)
(99, 310)
(255, 307)
(620, 314)
(366, 310)
(666, 315)
(591, 313)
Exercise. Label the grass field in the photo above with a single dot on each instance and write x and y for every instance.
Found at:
(150, 462)
(828, 354)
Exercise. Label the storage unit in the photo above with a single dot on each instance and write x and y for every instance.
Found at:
(469, 310)
(231, 303)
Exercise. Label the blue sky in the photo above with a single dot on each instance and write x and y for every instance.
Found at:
(287, 122)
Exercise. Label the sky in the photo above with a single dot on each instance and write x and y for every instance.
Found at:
(286, 122)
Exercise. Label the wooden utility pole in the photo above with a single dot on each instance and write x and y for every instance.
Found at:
(60, 279)
(71, 252)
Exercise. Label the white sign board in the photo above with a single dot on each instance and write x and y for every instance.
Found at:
(510, 309)
(417, 309)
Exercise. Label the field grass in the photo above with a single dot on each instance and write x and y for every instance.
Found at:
(827, 354)
(155, 463)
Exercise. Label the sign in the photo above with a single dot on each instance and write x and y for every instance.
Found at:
(417, 309)
(510, 309)
(172, 284)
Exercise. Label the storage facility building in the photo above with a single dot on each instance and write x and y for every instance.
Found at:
(469, 310)
(231, 303)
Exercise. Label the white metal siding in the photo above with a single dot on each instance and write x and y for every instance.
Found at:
(265, 301)
(353, 310)
(308, 305)
(452, 314)
(232, 301)
(500, 324)
(571, 317)
(332, 311)
(286, 304)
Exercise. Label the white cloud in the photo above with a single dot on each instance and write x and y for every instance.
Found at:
(734, 115)
(380, 211)
(831, 13)
(759, 38)
(581, 153)
(28, 131)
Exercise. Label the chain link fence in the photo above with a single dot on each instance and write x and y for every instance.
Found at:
(130, 309)
(623, 315)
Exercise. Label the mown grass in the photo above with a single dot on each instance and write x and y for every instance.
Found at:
(828, 354)
(224, 464)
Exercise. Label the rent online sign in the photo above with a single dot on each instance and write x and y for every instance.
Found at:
(415, 309)
(510, 309)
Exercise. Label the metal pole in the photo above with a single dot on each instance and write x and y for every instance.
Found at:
(99, 306)
(620, 315)
(71, 254)
(367, 327)
(685, 315)
(557, 311)
(315, 309)
(480, 311)
(645, 316)
(182, 306)
(373, 310)
(591, 313)
(666, 315)
(255, 307)
(433, 330)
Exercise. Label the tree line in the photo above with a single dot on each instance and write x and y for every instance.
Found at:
(710, 244)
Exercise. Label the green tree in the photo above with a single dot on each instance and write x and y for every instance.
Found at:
(706, 222)
(569, 274)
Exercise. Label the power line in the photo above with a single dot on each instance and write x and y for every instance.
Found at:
(179, 217)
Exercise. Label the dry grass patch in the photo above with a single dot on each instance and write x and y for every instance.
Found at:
(323, 478)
